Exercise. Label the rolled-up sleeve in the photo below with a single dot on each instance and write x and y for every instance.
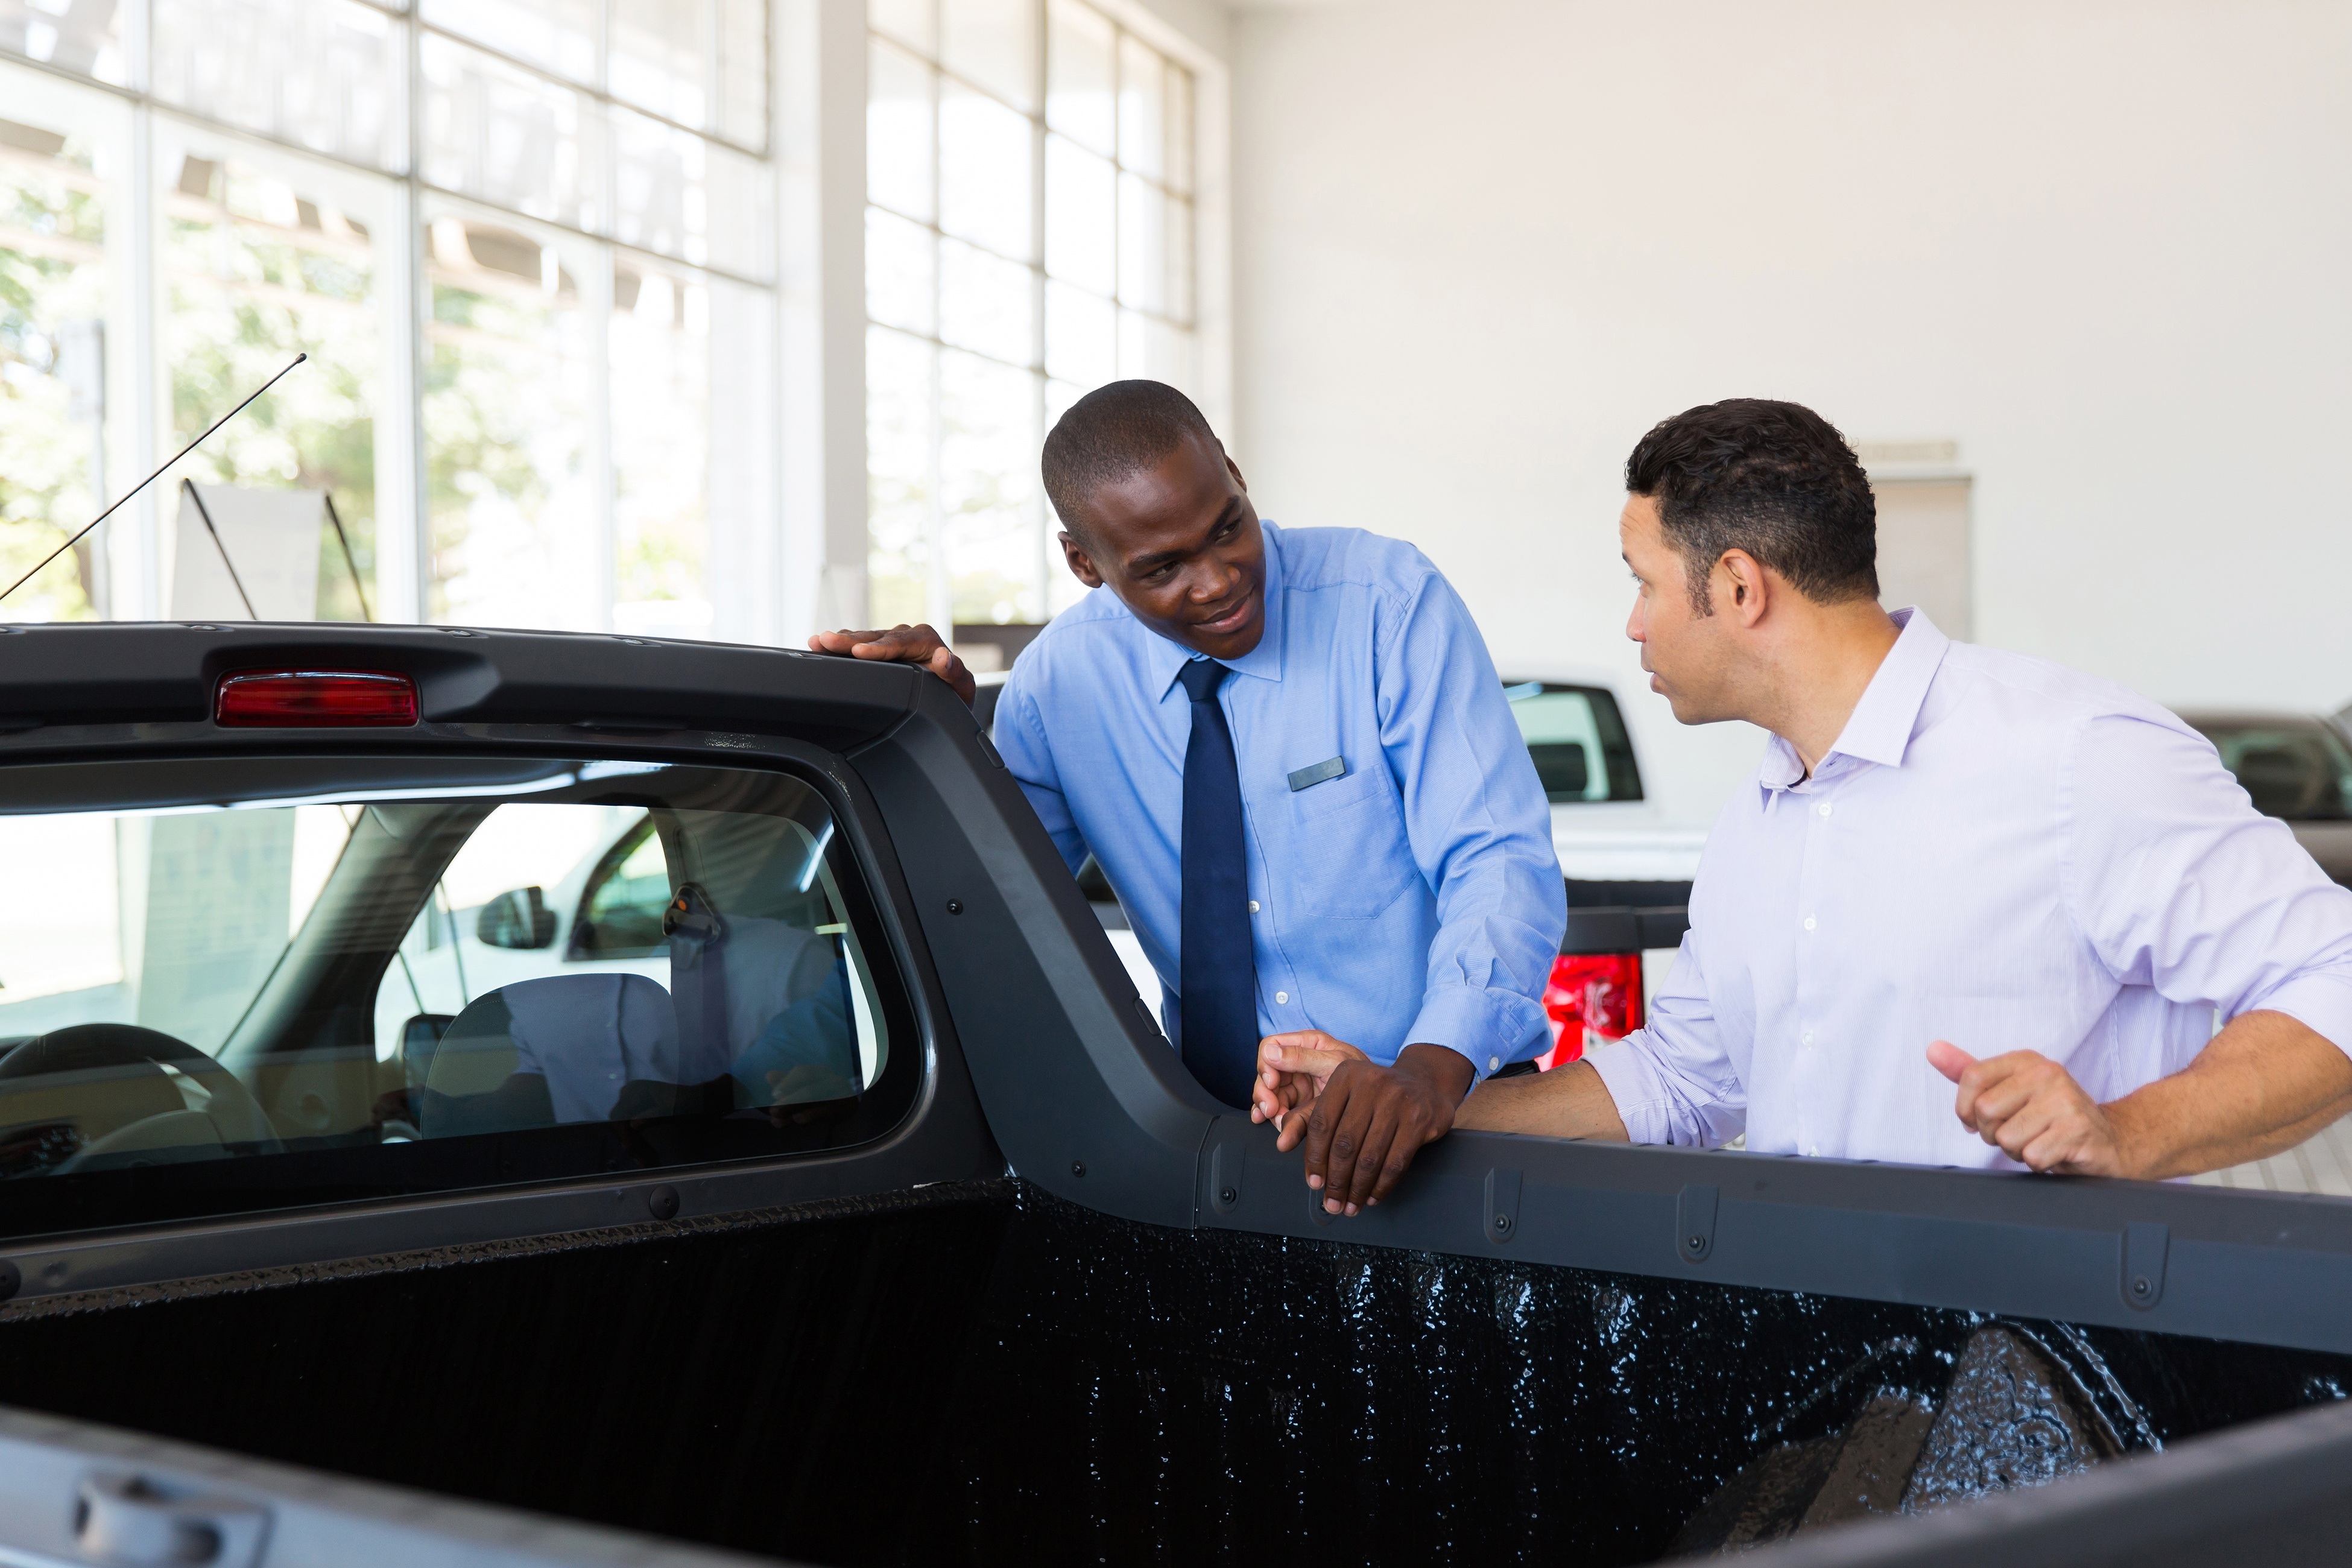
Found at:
(2179, 884)
(1672, 1080)
(1480, 830)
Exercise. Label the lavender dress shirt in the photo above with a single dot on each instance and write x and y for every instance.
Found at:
(1998, 852)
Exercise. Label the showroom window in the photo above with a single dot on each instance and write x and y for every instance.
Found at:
(508, 233)
(1030, 235)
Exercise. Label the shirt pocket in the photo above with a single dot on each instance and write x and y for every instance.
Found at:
(1351, 859)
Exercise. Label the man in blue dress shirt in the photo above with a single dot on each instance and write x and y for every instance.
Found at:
(1292, 756)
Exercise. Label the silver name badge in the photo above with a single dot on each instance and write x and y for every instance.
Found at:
(1319, 773)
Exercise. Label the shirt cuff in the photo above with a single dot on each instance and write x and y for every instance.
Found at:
(2322, 1003)
(1481, 1025)
(1632, 1079)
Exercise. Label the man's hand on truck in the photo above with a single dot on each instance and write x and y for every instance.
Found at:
(1351, 1110)
(1363, 1122)
(902, 643)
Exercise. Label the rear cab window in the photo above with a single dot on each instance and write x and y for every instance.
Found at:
(247, 983)
(1578, 741)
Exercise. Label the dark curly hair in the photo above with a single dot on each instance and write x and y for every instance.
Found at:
(1775, 479)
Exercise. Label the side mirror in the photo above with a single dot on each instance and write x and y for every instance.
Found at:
(519, 920)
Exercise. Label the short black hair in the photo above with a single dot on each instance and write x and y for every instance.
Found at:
(1110, 433)
(1775, 479)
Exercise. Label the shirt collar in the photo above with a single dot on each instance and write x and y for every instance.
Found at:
(1879, 729)
(1166, 658)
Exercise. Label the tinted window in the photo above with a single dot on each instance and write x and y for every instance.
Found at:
(2302, 772)
(297, 980)
(1578, 741)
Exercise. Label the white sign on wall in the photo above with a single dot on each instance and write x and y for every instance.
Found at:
(271, 536)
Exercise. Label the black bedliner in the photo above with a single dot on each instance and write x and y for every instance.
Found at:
(982, 1374)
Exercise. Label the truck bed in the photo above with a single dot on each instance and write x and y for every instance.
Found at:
(980, 1372)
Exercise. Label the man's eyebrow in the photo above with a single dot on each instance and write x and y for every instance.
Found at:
(1141, 565)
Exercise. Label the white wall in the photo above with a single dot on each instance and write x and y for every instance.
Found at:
(1480, 246)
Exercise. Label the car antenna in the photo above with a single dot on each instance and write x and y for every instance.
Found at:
(150, 480)
(350, 560)
(205, 512)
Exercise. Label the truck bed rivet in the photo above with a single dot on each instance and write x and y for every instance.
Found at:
(1227, 1195)
(1078, 1167)
(955, 906)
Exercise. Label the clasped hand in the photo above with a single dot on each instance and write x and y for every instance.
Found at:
(2032, 1110)
(1363, 1122)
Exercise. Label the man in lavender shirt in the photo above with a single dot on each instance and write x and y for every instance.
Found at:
(1953, 867)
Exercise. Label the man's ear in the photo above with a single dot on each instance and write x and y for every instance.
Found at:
(1739, 587)
(1081, 566)
(1232, 467)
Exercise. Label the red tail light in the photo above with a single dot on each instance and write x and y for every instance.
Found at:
(314, 698)
(1595, 992)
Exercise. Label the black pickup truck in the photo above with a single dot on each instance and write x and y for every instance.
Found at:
(501, 1098)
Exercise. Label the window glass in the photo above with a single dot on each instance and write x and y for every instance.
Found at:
(260, 264)
(988, 455)
(508, 392)
(662, 451)
(558, 36)
(999, 196)
(1577, 738)
(360, 969)
(984, 194)
(899, 135)
(85, 38)
(509, 138)
(1142, 109)
(1081, 235)
(914, 23)
(54, 238)
(743, 72)
(901, 451)
(984, 304)
(659, 48)
(992, 44)
(2300, 772)
(901, 277)
(1079, 102)
(321, 74)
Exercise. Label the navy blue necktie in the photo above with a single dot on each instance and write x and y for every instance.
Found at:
(1217, 1001)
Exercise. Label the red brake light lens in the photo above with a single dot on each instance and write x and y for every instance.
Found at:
(1598, 993)
(314, 698)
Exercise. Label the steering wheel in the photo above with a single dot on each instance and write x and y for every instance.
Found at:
(80, 1053)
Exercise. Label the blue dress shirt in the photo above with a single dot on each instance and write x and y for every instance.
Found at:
(1997, 852)
(1411, 899)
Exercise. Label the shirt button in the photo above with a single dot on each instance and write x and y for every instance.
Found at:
(1813, 1151)
(1825, 809)
(1809, 923)
(1252, 906)
(1809, 1037)
(1494, 1064)
(1282, 997)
